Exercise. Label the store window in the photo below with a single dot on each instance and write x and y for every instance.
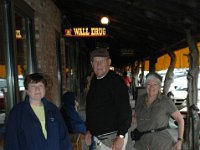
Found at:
(3, 83)
(25, 56)
(17, 46)
(58, 53)
(22, 52)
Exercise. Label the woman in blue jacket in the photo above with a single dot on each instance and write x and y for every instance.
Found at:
(36, 123)
(71, 117)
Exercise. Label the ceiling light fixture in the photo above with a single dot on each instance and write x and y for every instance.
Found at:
(104, 20)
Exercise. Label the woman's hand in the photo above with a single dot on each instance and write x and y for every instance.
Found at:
(177, 146)
(179, 119)
(88, 138)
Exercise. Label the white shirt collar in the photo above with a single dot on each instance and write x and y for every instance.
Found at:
(102, 76)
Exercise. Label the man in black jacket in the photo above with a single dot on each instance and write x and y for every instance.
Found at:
(108, 111)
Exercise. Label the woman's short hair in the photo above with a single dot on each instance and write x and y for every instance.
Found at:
(151, 75)
(34, 78)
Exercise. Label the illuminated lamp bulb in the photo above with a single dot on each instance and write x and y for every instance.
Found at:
(104, 20)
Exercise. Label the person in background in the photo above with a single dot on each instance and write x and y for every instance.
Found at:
(87, 84)
(127, 80)
(36, 123)
(71, 117)
(108, 111)
(153, 111)
(88, 80)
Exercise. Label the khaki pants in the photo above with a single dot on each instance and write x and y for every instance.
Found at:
(106, 144)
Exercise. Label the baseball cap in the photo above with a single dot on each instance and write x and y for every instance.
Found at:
(99, 52)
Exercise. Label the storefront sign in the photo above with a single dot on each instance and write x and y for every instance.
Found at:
(18, 34)
(127, 52)
(85, 32)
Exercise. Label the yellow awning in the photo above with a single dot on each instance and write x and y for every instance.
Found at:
(181, 60)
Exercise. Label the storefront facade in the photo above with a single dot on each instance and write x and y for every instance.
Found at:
(32, 41)
(16, 49)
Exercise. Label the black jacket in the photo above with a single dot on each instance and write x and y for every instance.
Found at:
(107, 105)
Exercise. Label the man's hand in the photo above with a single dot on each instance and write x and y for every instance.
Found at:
(88, 138)
(118, 143)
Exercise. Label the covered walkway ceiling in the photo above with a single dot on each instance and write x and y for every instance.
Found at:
(143, 27)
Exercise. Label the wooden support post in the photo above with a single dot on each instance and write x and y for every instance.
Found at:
(192, 130)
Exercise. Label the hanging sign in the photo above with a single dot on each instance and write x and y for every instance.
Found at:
(85, 32)
(127, 52)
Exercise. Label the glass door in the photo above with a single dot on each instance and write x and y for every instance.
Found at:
(21, 52)
(24, 45)
(3, 82)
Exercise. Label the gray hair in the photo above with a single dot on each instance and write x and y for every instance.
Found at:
(153, 75)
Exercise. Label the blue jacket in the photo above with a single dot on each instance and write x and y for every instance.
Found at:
(72, 119)
(24, 132)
